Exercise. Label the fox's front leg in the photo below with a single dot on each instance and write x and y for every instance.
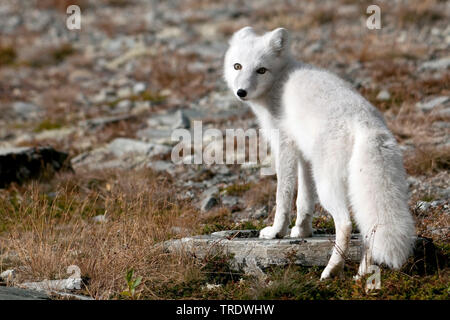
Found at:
(286, 167)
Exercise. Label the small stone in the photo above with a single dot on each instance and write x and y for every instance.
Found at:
(80, 75)
(423, 205)
(437, 64)
(441, 124)
(122, 146)
(261, 213)
(139, 88)
(100, 218)
(8, 275)
(383, 95)
(175, 120)
(431, 104)
(124, 106)
(161, 165)
(25, 109)
(124, 92)
(230, 201)
(208, 203)
(313, 48)
(104, 96)
(181, 121)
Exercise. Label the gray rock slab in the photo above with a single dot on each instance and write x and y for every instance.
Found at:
(11, 293)
(121, 146)
(250, 252)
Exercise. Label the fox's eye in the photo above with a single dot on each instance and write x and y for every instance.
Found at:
(237, 66)
(261, 70)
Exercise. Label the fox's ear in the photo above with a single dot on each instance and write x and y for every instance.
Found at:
(279, 40)
(242, 34)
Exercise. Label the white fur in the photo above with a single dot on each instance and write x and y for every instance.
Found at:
(333, 141)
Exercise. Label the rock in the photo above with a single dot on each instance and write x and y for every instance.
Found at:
(208, 203)
(229, 201)
(8, 275)
(124, 92)
(10, 293)
(437, 64)
(161, 166)
(122, 153)
(123, 106)
(139, 88)
(209, 198)
(444, 112)
(100, 218)
(441, 124)
(80, 75)
(423, 205)
(104, 96)
(25, 110)
(20, 164)
(68, 284)
(161, 136)
(313, 48)
(261, 213)
(431, 104)
(383, 95)
(175, 120)
(121, 146)
(251, 254)
(98, 123)
(181, 120)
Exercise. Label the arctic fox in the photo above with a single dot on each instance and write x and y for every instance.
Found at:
(333, 142)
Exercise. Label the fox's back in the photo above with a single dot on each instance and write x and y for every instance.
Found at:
(320, 109)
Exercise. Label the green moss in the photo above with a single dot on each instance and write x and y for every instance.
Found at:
(61, 53)
(323, 224)
(47, 125)
(8, 56)
(237, 189)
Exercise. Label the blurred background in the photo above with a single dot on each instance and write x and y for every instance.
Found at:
(106, 98)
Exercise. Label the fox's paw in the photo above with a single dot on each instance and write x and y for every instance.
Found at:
(331, 271)
(271, 233)
(299, 232)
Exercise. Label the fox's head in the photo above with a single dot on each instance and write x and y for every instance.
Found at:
(253, 62)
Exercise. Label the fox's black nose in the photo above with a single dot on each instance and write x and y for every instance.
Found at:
(241, 93)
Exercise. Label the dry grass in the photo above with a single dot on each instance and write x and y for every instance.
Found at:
(172, 72)
(428, 160)
(50, 228)
(419, 13)
(262, 193)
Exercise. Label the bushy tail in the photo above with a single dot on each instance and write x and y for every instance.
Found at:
(378, 192)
